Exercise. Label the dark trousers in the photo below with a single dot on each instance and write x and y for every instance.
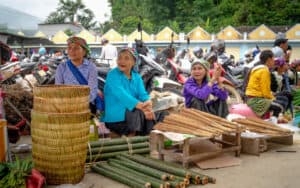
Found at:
(218, 107)
(279, 105)
(135, 121)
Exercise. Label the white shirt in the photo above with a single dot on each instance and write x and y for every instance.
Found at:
(109, 52)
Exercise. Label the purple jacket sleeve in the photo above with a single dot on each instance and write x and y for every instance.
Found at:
(221, 94)
(200, 92)
(59, 74)
(93, 82)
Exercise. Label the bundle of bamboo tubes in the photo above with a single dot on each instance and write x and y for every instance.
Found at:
(192, 121)
(260, 126)
(140, 171)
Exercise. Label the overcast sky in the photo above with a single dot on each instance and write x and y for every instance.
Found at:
(42, 8)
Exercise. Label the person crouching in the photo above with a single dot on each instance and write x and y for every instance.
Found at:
(205, 94)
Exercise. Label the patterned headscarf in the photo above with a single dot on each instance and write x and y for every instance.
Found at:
(81, 42)
(202, 62)
(132, 52)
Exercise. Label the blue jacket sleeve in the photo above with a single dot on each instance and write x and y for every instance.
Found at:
(218, 92)
(113, 86)
(197, 91)
(142, 93)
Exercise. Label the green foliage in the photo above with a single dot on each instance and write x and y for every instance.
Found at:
(15, 173)
(68, 32)
(68, 9)
(130, 23)
(212, 15)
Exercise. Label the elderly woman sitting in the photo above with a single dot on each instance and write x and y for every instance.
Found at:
(205, 94)
(78, 70)
(128, 108)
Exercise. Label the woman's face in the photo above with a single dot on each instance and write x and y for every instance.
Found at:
(125, 61)
(270, 62)
(198, 72)
(75, 52)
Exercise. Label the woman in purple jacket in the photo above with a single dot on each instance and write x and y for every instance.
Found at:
(205, 94)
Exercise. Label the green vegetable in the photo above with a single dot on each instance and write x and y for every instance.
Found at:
(18, 171)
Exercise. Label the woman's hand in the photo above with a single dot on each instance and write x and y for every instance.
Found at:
(148, 105)
(140, 106)
(216, 75)
(149, 115)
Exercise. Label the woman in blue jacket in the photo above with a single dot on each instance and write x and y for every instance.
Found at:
(205, 94)
(128, 108)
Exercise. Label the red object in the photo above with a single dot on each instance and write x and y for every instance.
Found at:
(267, 115)
(14, 58)
(45, 68)
(36, 180)
(21, 123)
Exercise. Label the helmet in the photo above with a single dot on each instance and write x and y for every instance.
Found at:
(218, 45)
(42, 51)
(295, 63)
(255, 51)
(198, 52)
(279, 61)
(278, 52)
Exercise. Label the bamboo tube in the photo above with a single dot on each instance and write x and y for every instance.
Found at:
(204, 179)
(115, 148)
(99, 157)
(156, 165)
(125, 174)
(156, 183)
(142, 168)
(119, 141)
(117, 177)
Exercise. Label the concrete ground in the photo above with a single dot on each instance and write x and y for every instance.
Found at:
(271, 169)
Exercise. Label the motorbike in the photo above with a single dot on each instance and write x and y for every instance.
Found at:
(233, 86)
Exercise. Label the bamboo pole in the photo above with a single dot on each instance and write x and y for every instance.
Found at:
(190, 123)
(183, 130)
(248, 123)
(204, 119)
(216, 118)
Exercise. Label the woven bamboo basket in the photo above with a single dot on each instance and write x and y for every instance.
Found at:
(60, 136)
(61, 98)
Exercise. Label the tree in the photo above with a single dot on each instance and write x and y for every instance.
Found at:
(130, 23)
(212, 15)
(71, 10)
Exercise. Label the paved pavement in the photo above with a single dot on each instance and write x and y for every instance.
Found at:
(271, 169)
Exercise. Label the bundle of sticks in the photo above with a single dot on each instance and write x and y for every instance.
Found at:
(195, 122)
(260, 126)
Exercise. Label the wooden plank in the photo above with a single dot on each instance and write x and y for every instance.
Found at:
(285, 140)
(253, 146)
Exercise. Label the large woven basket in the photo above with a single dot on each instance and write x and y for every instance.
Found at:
(59, 139)
(61, 98)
